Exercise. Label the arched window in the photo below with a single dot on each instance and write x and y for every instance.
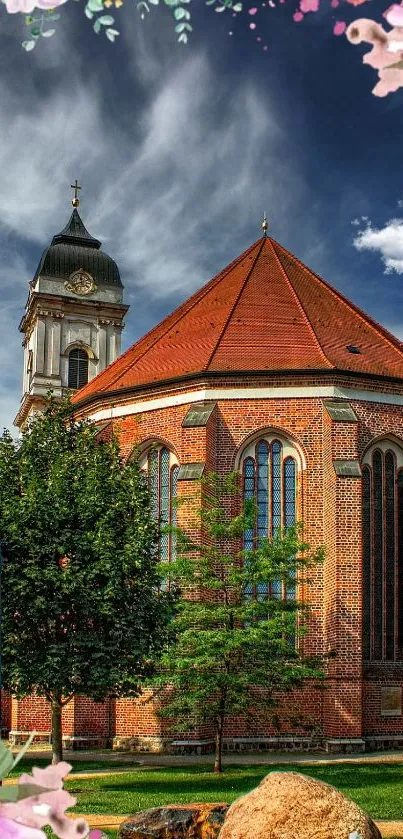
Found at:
(162, 469)
(78, 368)
(269, 469)
(382, 552)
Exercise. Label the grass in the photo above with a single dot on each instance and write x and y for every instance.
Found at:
(26, 764)
(377, 788)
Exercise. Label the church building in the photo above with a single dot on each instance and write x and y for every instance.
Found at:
(270, 371)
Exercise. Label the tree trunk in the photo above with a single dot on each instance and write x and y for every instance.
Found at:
(57, 741)
(218, 745)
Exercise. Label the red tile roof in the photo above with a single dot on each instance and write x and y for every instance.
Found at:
(265, 312)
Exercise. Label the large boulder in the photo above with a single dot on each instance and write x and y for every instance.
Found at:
(201, 821)
(287, 805)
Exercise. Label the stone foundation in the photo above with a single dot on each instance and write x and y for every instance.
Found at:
(122, 743)
(345, 745)
(72, 742)
(19, 738)
(384, 743)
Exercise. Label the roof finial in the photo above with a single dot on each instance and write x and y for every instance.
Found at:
(75, 202)
(264, 224)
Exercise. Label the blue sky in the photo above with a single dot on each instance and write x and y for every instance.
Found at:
(180, 149)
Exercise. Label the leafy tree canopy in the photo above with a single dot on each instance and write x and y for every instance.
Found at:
(82, 611)
(239, 636)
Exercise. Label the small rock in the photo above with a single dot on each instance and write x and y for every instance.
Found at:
(201, 821)
(287, 805)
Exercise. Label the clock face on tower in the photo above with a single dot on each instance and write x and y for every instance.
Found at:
(80, 282)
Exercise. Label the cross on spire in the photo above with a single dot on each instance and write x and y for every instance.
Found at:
(75, 202)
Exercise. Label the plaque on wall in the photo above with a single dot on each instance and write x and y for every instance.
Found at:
(341, 411)
(198, 415)
(391, 702)
(347, 468)
(190, 471)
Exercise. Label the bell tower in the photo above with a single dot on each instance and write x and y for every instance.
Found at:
(73, 316)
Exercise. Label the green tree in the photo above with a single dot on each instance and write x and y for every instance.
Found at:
(82, 608)
(233, 652)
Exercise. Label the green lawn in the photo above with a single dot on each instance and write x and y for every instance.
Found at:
(377, 788)
(26, 764)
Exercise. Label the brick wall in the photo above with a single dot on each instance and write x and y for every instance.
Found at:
(330, 508)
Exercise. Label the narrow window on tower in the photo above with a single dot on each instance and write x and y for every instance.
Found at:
(78, 369)
(30, 364)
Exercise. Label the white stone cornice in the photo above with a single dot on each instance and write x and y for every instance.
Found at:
(216, 394)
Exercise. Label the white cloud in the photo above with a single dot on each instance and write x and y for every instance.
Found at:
(386, 241)
(175, 189)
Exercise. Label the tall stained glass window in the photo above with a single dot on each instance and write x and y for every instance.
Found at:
(163, 485)
(382, 555)
(270, 477)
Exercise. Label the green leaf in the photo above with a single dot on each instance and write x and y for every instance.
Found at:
(48, 33)
(29, 19)
(111, 34)
(95, 5)
(6, 757)
(88, 13)
(180, 14)
(155, 2)
(35, 32)
(97, 27)
(219, 9)
(17, 792)
(182, 27)
(183, 38)
(24, 749)
(237, 7)
(106, 20)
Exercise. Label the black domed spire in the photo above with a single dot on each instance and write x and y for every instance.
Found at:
(76, 232)
(73, 249)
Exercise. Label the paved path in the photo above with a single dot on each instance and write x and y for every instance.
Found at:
(234, 759)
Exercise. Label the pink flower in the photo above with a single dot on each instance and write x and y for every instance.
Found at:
(298, 16)
(14, 830)
(390, 80)
(339, 27)
(379, 57)
(309, 6)
(394, 15)
(28, 6)
(46, 808)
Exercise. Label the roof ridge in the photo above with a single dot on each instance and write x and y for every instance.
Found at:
(236, 301)
(307, 320)
(364, 316)
(199, 294)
